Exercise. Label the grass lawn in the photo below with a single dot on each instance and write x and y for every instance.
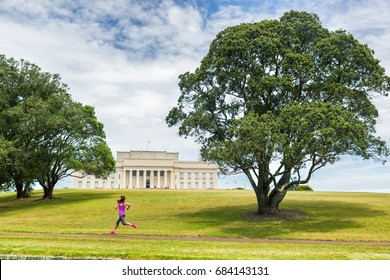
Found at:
(206, 213)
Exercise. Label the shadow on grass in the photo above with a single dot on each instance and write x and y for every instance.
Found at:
(322, 217)
(61, 199)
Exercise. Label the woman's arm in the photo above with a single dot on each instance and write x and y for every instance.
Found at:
(116, 205)
(127, 206)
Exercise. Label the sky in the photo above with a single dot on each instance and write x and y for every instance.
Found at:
(124, 57)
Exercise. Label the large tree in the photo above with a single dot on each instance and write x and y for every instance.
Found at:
(279, 99)
(48, 135)
(19, 82)
(71, 139)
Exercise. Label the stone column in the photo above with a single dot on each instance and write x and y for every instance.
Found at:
(144, 183)
(165, 178)
(126, 179)
(122, 182)
(137, 179)
(172, 186)
(130, 178)
(158, 178)
(151, 179)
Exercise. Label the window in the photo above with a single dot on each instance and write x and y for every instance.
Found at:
(211, 185)
(88, 184)
(162, 173)
(196, 175)
(189, 185)
(104, 184)
(80, 184)
(134, 173)
(112, 185)
(189, 176)
(196, 185)
(181, 185)
(96, 184)
(204, 175)
(204, 185)
(211, 175)
(181, 175)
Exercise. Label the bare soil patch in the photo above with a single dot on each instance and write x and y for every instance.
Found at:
(284, 214)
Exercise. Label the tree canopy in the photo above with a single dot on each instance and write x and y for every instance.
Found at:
(287, 93)
(45, 135)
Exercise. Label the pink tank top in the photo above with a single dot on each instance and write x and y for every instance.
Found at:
(122, 208)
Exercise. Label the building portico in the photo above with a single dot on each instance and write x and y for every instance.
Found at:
(146, 178)
(154, 169)
(138, 169)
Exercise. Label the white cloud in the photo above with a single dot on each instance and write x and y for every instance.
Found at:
(123, 57)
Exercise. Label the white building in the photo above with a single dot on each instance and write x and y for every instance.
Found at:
(140, 169)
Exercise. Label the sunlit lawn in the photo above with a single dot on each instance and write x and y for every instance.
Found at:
(208, 213)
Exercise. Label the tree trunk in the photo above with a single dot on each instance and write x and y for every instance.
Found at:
(19, 189)
(269, 204)
(276, 196)
(48, 193)
(22, 189)
(261, 201)
(26, 191)
(274, 200)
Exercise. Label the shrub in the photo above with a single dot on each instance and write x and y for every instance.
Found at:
(304, 188)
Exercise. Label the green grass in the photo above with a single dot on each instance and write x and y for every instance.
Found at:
(206, 213)
(183, 250)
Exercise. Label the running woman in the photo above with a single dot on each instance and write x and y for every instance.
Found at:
(122, 206)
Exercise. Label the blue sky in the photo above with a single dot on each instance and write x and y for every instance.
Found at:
(124, 56)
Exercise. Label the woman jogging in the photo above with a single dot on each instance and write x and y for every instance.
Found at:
(122, 206)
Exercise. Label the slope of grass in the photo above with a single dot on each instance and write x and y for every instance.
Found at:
(209, 213)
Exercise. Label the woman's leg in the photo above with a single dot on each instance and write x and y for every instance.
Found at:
(127, 223)
(121, 219)
(131, 224)
(117, 223)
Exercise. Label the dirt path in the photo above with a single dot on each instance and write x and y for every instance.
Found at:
(201, 238)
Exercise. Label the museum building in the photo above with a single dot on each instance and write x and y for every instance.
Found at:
(153, 169)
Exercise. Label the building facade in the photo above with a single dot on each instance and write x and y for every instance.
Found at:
(154, 169)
